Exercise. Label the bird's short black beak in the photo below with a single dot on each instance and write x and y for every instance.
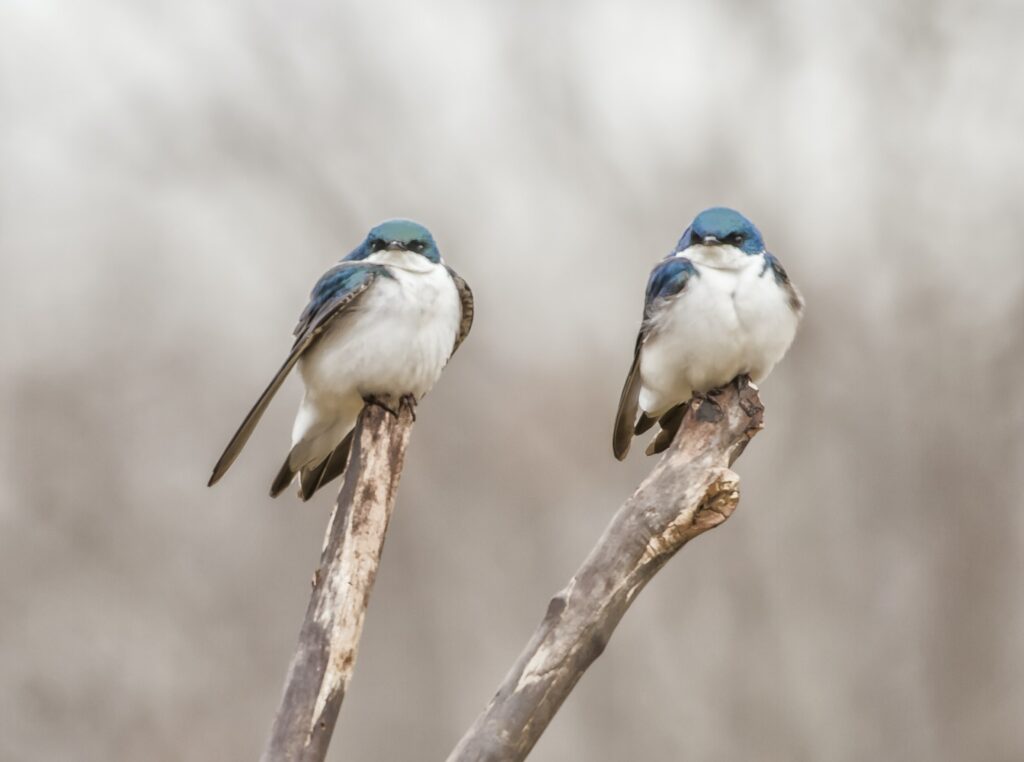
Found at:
(710, 240)
(396, 246)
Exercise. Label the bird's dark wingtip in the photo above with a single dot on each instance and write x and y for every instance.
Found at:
(218, 471)
(643, 423)
(283, 479)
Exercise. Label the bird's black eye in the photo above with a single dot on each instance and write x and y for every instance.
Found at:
(736, 239)
(417, 246)
(376, 244)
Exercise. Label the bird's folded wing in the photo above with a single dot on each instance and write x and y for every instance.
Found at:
(793, 297)
(667, 280)
(629, 403)
(336, 293)
(466, 298)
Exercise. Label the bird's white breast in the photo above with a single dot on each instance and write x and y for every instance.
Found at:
(395, 341)
(731, 318)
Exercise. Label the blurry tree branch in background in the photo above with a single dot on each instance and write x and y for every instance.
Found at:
(329, 639)
(690, 491)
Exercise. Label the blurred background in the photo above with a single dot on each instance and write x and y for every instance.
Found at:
(174, 178)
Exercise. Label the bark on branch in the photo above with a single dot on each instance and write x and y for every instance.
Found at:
(329, 639)
(690, 491)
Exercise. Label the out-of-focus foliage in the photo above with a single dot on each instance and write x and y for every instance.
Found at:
(174, 177)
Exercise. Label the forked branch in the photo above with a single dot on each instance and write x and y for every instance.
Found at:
(690, 491)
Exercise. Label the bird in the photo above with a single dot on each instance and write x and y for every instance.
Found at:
(720, 305)
(380, 326)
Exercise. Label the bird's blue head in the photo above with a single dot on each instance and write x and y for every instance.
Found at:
(398, 235)
(720, 226)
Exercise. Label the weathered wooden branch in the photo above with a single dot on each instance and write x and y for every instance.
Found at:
(329, 639)
(690, 491)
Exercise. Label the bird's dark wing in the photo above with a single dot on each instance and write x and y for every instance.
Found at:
(336, 293)
(667, 280)
(795, 301)
(466, 298)
(629, 402)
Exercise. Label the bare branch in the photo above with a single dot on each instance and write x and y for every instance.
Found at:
(329, 639)
(690, 491)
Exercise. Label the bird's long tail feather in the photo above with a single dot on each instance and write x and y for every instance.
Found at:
(670, 423)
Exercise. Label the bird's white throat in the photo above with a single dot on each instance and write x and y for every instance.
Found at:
(721, 257)
(405, 260)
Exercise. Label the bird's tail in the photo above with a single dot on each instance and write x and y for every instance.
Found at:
(669, 423)
(312, 474)
(284, 477)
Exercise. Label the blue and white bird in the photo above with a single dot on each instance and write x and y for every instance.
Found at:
(380, 326)
(719, 306)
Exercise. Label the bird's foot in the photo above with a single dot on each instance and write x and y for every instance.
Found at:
(697, 399)
(742, 380)
(705, 406)
(373, 399)
(408, 401)
(746, 381)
